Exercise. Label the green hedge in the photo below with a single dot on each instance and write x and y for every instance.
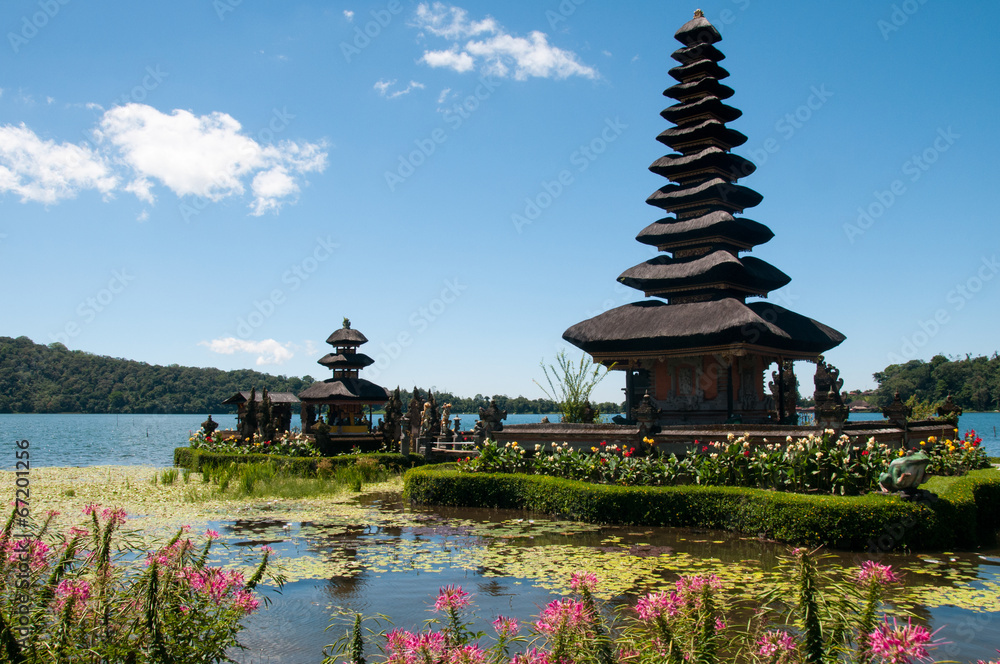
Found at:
(967, 513)
(195, 460)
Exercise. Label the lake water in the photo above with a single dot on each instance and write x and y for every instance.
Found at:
(93, 440)
(400, 554)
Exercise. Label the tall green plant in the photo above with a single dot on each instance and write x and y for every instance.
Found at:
(571, 385)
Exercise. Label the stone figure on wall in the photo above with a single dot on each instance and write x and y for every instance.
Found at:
(426, 421)
(414, 409)
(785, 389)
(435, 417)
(391, 424)
(490, 420)
(587, 415)
(445, 417)
(830, 408)
(209, 426)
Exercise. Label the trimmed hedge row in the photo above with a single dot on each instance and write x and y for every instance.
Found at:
(966, 514)
(195, 460)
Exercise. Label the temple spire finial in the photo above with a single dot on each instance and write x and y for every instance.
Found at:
(699, 14)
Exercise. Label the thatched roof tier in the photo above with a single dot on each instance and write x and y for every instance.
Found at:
(712, 229)
(715, 194)
(695, 69)
(346, 360)
(702, 86)
(345, 390)
(346, 336)
(697, 31)
(705, 108)
(276, 397)
(652, 329)
(697, 52)
(709, 132)
(718, 271)
(706, 163)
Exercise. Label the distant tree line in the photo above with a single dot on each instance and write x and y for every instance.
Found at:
(513, 405)
(972, 382)
(53, 379)
(35, 378)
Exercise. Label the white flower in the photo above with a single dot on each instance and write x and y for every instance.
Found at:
(730, 437)
(788, 439)
(829, 432)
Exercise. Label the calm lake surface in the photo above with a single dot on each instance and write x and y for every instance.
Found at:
(399, 555)
(124, 440)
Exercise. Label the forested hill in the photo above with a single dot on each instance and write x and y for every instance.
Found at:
(973, 382)
(52, 379)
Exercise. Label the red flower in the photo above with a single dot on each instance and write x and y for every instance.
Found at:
(864, 453)
(603, 443)
(746, 452)
(704, 448)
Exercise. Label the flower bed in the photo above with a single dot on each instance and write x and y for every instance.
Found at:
(290, 443)
(815, 464)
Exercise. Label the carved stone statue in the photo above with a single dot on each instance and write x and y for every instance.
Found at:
(905, 474)
(490, 420)
(391, 424)
(786, 393)
(830, 408)
(646, 414)
(414, 409)
(435, 417)
(248, 427)
(209, 426)
(426, 421)
(897, 411)
(949, 410)
(588, 413)
(445, 419)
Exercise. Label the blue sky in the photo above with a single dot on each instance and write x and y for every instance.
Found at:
(218, 183)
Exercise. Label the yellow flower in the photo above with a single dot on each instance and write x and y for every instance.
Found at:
(901, 453)
(922, 443)
(931, 439)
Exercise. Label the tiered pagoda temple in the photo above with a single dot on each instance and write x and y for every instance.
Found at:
(695, 345)
(346, 395)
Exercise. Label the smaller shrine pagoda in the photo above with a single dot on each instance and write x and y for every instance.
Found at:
(339, 402)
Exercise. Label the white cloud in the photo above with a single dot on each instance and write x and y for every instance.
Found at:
(46, 172)
(500, 54)
(348, 14)
(268, 351)
(207, 156)
(382, 87)
(138, 147)
(143, 216)
(444, 95)
(451, 22)
(451, 59)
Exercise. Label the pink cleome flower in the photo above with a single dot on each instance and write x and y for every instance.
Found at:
(451, 597)
(468, 654)
(901, 644)
(506, 627)
(775, 642)
(658, 605)
(872, 572)
(562, 614)
(583, 581)
(72, 591)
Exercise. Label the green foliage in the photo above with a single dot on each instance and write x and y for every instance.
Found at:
(973, 382)
(963, 516)
(208, 462)
(91, 598)
(52, 379)
(571, 385)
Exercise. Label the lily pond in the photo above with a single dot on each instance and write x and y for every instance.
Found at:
(370, 553)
